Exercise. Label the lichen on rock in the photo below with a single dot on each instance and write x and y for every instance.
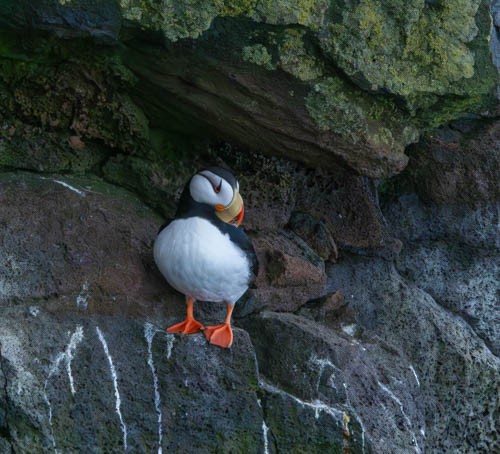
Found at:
(342, 108)
(258, 55)
(295, 57)
(308, 102)
(309, 13)
(405, 47)
(176, 19)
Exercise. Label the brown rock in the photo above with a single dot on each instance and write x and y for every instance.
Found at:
(65, 237)
(341, 207)
(458, 166)
(290, 272)
(314, 233)
(331, 308)
(76, 143)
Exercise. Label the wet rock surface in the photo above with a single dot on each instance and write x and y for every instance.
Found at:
(385, 354)
(70, 385)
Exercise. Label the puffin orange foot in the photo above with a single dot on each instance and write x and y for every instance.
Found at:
(188, 326)
(221, 335)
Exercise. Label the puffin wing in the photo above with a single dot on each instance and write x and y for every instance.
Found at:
(240, 238)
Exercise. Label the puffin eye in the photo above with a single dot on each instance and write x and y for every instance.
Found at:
(217, 188)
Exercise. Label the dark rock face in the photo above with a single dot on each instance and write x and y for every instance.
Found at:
(438, 305)
(85, 363)
(458, 164)
(338, 374)
(368, 329)
(82, 347)
(315, 233)
(457, 371)
(452, 254)
(76, 388)
(50, 249)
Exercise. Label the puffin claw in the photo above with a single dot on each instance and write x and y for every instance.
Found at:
(188, 326)
(220, 335)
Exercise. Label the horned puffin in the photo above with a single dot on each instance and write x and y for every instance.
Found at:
(204, 254)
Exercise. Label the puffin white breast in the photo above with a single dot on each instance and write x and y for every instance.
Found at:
(198, 260)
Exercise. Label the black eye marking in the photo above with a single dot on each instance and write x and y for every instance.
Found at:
(217, 189)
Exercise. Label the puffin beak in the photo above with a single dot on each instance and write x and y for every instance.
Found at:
(233, 213)
(239, 218)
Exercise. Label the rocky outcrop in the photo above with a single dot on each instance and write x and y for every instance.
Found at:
(82, 344)
(70, 386)
(372, 325)
(457, 165)
(324, 83)
(83, 351)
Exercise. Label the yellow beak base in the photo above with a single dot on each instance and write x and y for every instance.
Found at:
(229, 213)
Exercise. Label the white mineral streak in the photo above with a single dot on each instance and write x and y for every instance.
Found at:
(400, 404)
(67, 356)
(353, 411)
(170, 345)
(82, 300)
(115, 384)
(415, 374)
(149, 334)
(75, 339)
(71, 188)
(54, 367)
(322, 363)
(350, 330)
(317, 405)
(265, 432)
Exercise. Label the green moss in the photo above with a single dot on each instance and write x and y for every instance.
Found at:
(295, 58)
(475, 93)
(238, 8)
(179, 19)
(176, 19)
(258, 55)
(165, 168)
(34, 149)
(344, 109)
(63, 89)
(309, 13)
(332, 109)
(408, 48)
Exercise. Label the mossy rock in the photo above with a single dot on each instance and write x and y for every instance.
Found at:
(408, 48)
(326, 83)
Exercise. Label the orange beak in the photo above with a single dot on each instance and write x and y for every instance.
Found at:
(239, 218)
(233, 213)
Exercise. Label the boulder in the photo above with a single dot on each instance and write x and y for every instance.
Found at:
(70, 385)
(360, 384)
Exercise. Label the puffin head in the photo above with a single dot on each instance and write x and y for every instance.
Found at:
(218, 188)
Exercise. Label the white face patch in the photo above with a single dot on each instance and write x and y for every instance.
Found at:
(207, 187)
